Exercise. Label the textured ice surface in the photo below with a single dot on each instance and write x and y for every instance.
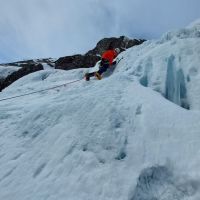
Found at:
(126, 137)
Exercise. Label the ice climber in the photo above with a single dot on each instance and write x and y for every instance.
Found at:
(107, 60)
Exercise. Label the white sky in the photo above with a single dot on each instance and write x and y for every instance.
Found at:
(49, 28)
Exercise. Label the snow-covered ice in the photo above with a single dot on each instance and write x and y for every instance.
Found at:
(134, 135)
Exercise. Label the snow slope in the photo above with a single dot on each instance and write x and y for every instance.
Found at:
(108, 139)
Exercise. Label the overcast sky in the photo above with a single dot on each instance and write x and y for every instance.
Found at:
(55, 28)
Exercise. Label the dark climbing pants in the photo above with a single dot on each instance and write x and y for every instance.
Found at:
(103, 69)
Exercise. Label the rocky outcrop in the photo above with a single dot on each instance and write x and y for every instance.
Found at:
(122, 43)
(26, 67)
(76, 61)
(92, 56)
(25, 70)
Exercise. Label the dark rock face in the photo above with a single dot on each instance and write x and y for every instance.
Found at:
(76, 61)
(25, 70)
(122, 43)
(92, 56)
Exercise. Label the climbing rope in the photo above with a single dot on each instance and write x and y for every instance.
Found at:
(26, 94)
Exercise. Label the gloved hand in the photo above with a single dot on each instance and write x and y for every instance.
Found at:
(114, 63)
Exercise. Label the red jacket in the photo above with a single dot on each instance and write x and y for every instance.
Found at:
(109, 55)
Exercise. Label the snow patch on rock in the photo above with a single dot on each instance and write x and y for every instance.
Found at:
(7, 70)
